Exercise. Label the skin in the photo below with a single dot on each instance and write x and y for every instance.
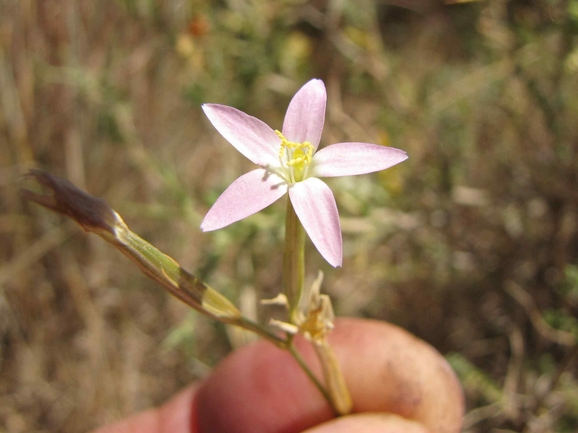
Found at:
(398, 383)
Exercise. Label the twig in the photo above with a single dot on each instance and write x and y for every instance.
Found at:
(525, 300)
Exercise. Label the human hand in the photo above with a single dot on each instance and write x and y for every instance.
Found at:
(398, 383)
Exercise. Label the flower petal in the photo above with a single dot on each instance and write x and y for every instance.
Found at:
(315, 206)
(247, 195)
(306, 114)
(249, 135)
(349, 159)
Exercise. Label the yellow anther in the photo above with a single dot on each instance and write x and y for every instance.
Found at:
(299, 155)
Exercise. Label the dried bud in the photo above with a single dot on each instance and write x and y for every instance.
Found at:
(92, 213)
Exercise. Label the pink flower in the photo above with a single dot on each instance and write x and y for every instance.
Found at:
(288, 162)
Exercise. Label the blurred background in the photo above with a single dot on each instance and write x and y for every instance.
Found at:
(471, 244)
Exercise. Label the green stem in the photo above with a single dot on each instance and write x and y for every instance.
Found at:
(293, 260)
(258, 329)
(297, 356)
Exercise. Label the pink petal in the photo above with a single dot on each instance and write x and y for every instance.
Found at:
(349, 159)
(250, 136)
(306, 114)
(247, 195)
(315, 206)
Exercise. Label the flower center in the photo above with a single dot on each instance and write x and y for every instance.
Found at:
(295, 157)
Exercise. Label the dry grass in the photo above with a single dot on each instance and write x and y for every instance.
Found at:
(472, 244)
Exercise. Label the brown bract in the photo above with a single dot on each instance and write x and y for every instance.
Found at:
(92, 213)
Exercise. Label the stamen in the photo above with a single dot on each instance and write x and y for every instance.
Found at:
(295, 156)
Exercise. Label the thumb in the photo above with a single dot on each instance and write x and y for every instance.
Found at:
(369, 423)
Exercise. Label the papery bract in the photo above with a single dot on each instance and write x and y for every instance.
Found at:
(289, 163)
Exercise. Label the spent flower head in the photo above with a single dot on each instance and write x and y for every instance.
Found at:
(314, 318)
(288, 161)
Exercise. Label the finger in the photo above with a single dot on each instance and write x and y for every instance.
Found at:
(261, 388)
(369, 423)
(408, 377)
(175, 416)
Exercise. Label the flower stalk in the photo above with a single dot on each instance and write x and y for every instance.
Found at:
(293, 261)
